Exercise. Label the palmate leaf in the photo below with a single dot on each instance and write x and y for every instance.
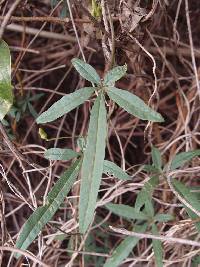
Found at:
(65, 104)
(60, 154)
(43, 215)
(6, 95)
(183, 157)
(114, 75)
(86, 71)
(133, 105)
(123, 250)
(93, 160)
(111, 168)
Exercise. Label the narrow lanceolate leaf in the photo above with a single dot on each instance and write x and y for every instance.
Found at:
(86, 71)
(157, 248)
(126, 211)
(150, 168)
(163, 217)
(194, 218)
(149, 208)
(65, 105)
(111, 168)
(42, 215)
(114, 75)
(123, 250)
(133, 104)
(60, 154)
(93, 160)
(190, 197)
(6, 95)
(183, 157)
(145, 195)
(156, 157)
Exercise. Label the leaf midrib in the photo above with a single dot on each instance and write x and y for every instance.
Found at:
(90, 186)
(46, 206)
(50, 111)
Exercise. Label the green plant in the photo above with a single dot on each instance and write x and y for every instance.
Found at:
(64, 12)
(23, 105)
(96, 9)
(92, 158)
(6, 94)
(143, 215)
(91, 164)
(8, 106)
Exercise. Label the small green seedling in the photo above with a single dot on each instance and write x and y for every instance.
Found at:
(96, 9)
(64, 11)
(91, 164)
(23, 105)
(91, 160)
(6, 94)
(143, 214)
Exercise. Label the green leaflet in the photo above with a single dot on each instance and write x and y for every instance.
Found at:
(133, 104)
(145, 195)
(157, 248)
(114, 75)
(183, 157)
(6, 94)
(93, 160)
(96, 9)
(195, 261)
(122, 251)
(86, 71)
(156, 157)
(126, 211)
(43, 215)
(149, 208)
(194, 217)
(150, 168)
(60, 154)
(65, 105)
(111, 168)
(163, 217)
(191, 198)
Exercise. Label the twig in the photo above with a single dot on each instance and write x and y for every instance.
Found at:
(181, 199)
(112, 59)
(191, 45)
(26, 254)
(91, 18)
(150, 236)
(155, 92)
(7, 17)
(17, 48)
(74, 27)
(45, 34)
(11, 146)
(55, 20)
